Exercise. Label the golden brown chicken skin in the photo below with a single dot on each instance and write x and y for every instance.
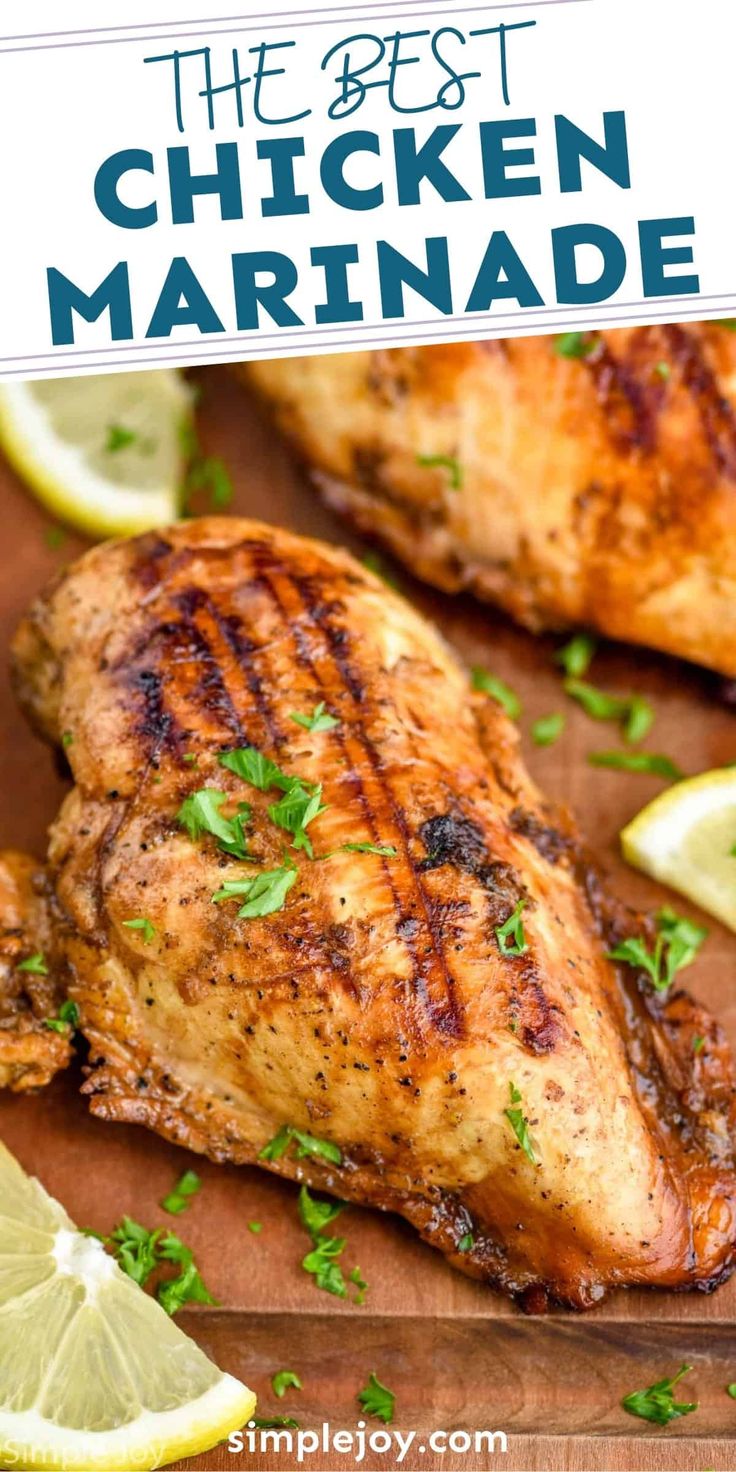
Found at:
(30, 1051)
(375, 1009)
(595, 489)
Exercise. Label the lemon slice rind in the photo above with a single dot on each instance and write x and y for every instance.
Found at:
(684, 837)
(54, 432)
(93, 1372)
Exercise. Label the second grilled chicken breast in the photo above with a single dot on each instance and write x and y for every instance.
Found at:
(419, 1013)
(595, 488)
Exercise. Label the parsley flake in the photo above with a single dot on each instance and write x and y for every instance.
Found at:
(186, 1187)
(307, 1146)
(296, 810)
(576, 344)
(358, 1280)
(377, 1400)
(466, 1243)
(491, 685)
(264, 894)
(450, 463)
(322, 1263)
(35, 965)
(698, 1043)
(649, 762)
(147, 928)
(119, 437)
(68, 1017)
(284, 1380)
(510, 936)
(677, 944)
(548, 729)
(315, 1214)
(320, 719)
(517, 1120)
(200, 813)
(657, 1403)
(255, 1227)
(575, 657)
(633, 712)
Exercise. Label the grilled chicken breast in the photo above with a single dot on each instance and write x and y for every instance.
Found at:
(30, 1051)
(597, 489)
(514, 1095)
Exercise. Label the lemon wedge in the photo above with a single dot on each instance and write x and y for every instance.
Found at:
(686, 838)
(93, 1373)
(103, 453)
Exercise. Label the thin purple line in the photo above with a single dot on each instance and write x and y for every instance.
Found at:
(226, 19)
(298, 334)
(363, 342)
(215, 20)
(265, 23)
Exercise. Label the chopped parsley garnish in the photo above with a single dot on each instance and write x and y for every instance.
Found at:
(548, 729)
(575, 657)
(204, 472)
(466, 1243)
(264, 893)
(576, 344)
(356, 1277)
(649, 762)
(731, 1390)
(67, 739)
(54, 537)
(677, 944)
(633, 711)
(209, 473)
(657, 1403)
(320, 719)
(119, 438)
(147, 928)
(250, 764)
(377, 1400)
(283, 1380)
(322, 1263)
(491, 685)
(307, 1146)
(663, 371)
(139, 1252)
(698, 1043)
(200, 813)
(445, 462)
(191, 758)
(296, 810)
(315, 1214)
(255, 1227)
(517, 1120)
(301, 802)
(384, 850)
(136, 1249)
(510, 936)
(728, 322)
(68, 1017)
(35, 965)
(186, 1187)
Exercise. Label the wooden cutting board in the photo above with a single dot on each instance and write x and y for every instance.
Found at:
(456, 1354)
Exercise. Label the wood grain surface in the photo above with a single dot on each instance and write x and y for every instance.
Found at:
(457, 1354)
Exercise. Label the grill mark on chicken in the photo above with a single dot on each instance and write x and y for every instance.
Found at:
(443, 1012)
(629, 406)
(716, 412)
(219, 637)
